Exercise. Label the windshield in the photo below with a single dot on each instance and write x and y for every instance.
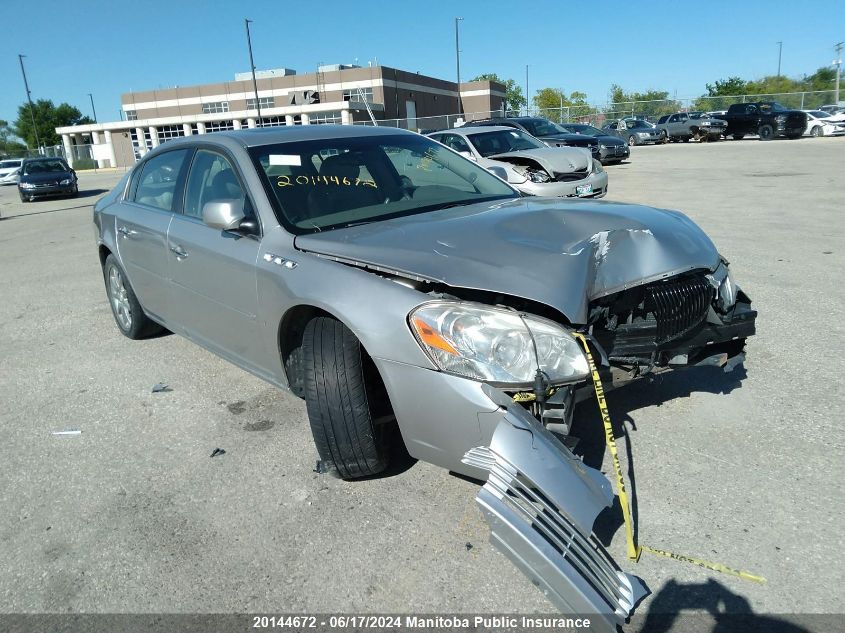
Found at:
(335, 183)
(637, 124)
(9, 164)
(44, 167)
(581, 128)
(503, 141)
(819, 114)
(541, 127)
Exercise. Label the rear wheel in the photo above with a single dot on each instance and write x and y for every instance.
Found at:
(344, 395)
(766, 132)
(127, 312)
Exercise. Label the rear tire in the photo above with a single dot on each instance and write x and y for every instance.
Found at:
(766, 132)
(338, 384)
(127, 312)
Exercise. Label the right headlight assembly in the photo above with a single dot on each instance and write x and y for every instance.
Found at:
(496, 345)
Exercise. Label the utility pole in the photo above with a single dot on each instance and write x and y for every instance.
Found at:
(93, 109)
(458, 64)
(780, 50)
(838, 63)
(29, 99)
(252, 69)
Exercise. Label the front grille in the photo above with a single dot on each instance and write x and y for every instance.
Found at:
(678, 306)
(44, 185)
(571, 176)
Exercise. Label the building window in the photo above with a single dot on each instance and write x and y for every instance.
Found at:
(168, 132)
(264, 102)
(219, 126)
(325, 117)
(270, 121)
(215, 107)
(131, 115)
(353, 94)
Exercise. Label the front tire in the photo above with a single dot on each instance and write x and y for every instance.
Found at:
(127, 312)
(339, 384)
(766, 132)
(738, 137)
(632, 140)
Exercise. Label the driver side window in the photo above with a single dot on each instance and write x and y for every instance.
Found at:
(212, 179)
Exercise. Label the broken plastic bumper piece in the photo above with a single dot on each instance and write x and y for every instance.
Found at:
(540, 502)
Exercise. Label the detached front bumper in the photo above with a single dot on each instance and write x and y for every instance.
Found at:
(540, 502)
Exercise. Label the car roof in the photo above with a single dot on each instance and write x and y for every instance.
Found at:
(38, 159)
(291, 133)
(477, 128)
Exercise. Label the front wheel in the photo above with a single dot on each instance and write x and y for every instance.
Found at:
(632, 140)
(766, 132)
(738, 137)
(23, 197)
(817, 131)
(127, 312)
(343, 395)
(664, 138)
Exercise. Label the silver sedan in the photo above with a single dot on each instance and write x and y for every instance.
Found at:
(403, 290)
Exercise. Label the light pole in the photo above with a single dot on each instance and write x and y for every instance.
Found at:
(252, 69)
(838, 63)
(780, 50)
(29, 99)
(93, 109)
(527, 100)
(458, 64)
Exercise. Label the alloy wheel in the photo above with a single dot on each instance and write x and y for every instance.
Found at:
(119, 299)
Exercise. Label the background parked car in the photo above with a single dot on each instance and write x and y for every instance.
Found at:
(46, 177)
(820, 123)
(550, 133)
(10, 171)
(612, 149)
(632, 131)
(527, 163)
(832, 109)
(683, 126)
(766, 119)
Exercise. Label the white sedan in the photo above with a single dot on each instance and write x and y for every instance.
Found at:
(821, 123)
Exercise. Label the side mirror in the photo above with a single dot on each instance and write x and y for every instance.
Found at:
(225, 215)
(468, 155)
(501, 172)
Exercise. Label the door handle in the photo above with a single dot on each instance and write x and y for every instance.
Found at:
(126, 232)
(180, 252)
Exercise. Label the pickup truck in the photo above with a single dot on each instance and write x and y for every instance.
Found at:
(682, 126)
(766, 119)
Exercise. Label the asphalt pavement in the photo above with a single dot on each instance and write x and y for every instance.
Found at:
(133, 515)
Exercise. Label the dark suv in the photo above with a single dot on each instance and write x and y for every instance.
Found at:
(550, 133)
(46, 177)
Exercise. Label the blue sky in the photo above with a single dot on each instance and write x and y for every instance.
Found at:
(107, 48)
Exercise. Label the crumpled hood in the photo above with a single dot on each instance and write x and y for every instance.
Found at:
(557, 252)
(554, 159)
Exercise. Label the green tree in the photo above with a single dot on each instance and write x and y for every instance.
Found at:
(47, 118)
(9, 145)
(649, 103)
(727, 87)
(549, 102)
(513, 92)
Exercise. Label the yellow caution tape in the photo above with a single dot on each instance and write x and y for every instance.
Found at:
(635, 550)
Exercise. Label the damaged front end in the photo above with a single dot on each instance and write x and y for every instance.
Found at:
(540, 502)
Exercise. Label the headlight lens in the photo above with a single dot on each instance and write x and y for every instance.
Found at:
(597, 166)
(66, 181)
(494, 345)
(27, 185)
(726, 288)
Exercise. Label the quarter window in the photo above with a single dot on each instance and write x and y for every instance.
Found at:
(212, 179)
(159, 178)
